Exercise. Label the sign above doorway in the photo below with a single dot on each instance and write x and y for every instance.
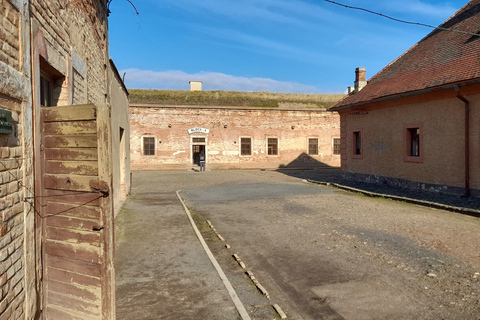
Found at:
(198, 130)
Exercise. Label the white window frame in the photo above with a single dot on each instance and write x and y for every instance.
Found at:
(154, 145)
(318, 146)
(240, 146)
(278, 146)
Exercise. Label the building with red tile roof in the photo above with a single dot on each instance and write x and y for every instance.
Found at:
(417, 121)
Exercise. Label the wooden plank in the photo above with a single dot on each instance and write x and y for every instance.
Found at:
(87, 168)
(71, 277)
(78, 141)
(76, 237)
(68, 196)
(88, 308)
(105, 172)
(87, 293)
(85, 253)
(69, 128)
(73, 210)
(72, 223)
(55, 312)
(68, 113)
(76, 266)
(71, 154)
(68, 182)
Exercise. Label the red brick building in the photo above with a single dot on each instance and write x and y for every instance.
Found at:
(172, 137)
(417, 121)
(63, 114)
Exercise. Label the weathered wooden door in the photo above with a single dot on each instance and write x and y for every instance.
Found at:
(76, 213)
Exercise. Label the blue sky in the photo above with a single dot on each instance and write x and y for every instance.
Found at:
(296, 46)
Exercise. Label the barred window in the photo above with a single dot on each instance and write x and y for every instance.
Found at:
(246, 146)
(149, 146)
(357, 142)
(272, 146)
(414, 135)
(336, 145)
(312, 146)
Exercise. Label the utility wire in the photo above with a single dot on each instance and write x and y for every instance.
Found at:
(110, 1)
(403, 21)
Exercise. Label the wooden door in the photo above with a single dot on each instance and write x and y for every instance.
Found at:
(75, 208)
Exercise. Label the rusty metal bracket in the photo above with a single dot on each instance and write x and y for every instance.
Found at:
(100, 186)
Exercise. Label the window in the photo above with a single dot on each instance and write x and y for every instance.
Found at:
(413, 143)
(272, 146)
(46, 90)
(336, 145)
(312, 146)
(148, 146)
(414, 134)
(245, 146)
(198, 140)
(52, 86)
(357, 143)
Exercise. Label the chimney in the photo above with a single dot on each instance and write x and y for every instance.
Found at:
(360, 79)
(195, 85)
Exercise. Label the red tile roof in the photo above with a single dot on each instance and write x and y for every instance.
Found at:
(439, 59)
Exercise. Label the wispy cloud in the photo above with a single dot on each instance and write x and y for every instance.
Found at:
(265, 45)
(420, 8)
(174, 79)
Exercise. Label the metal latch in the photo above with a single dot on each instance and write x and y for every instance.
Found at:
(100, 186)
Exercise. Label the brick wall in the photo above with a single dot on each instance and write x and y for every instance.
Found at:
(75, 40)
(12, 260)
(75, 34)
(169, 126)
(9, 34)
(15, 176)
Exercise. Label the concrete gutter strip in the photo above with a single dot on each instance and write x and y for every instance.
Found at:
(238, 304)
(280, 311)
(471, 212)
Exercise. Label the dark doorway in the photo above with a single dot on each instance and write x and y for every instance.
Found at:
(196, 150)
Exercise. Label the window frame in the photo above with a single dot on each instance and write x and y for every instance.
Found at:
(407, 142)
(276, 147)
(316, 152)
(241, 147)
(154, 146)
(339, 144)
(47, 85)
(355, 134)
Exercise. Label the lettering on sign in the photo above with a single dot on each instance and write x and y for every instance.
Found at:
(198, 130)
(6, 123)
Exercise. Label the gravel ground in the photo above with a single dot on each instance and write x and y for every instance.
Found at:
(335, 176)
(325, 253)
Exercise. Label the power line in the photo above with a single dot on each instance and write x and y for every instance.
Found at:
(403, 21)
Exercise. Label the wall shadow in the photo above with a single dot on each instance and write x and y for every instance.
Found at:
(306, 167)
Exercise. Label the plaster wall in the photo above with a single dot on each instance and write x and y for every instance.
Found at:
(120, 138)
(169, 126)
(442, 133)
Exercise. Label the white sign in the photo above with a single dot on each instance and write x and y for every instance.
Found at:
(198, 130)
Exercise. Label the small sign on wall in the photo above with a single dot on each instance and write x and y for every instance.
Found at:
(198, 130)
(6, 122)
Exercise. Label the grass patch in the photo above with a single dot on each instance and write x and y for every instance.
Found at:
(234, 98)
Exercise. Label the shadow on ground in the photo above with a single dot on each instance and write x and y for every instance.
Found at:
(335, 175)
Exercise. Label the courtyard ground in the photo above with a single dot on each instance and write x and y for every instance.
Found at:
(319, 252)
